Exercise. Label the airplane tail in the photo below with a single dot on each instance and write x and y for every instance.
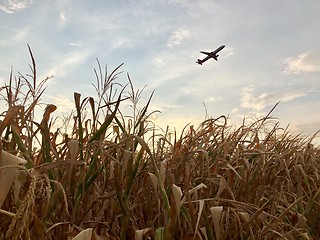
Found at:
(199, 62)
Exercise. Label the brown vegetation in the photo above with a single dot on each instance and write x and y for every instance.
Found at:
(105, 179)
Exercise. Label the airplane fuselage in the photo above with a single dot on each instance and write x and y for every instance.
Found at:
(213, 55)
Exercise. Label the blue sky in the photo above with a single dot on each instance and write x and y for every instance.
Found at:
(272, 54)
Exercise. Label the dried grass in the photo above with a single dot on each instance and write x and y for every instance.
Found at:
(105, 179)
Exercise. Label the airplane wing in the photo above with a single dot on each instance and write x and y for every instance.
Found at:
(213, 55)
(205, 52)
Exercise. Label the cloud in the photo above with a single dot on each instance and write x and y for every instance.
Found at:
(177, 37)
(304, 63)
(309, 128)
(258, 102)
(17, 36)
(64, 104)
(66, 61)
(159, 62)
(165, 108)
(228, 51)
(173, 106)
(62, 16)
(211, 99)
(74, 44)
(12, 6)
(62, 19)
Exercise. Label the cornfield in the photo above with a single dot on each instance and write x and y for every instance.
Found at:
(104, 175)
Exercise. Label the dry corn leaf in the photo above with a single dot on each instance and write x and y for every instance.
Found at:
(138, 235)
(246, 163)
(12, 111)
(50, 108)
(8, 174)
(89, 234)
(302, 221)
(216, 213)
(204, 155)
(19, 180)
(154, 181)
(196, 188)
(163, 167)
(201, 204)
(222, 186)
(244, 215)
(73, 146)
(204, 232)
(112, 164)
(232, 168)
(84, 235)
(177, 194)
(127, 162)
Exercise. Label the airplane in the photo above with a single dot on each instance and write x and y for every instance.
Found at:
(211, 55)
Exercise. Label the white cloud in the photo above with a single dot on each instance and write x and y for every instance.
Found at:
(173, 106)
(159, 62)
(74, 44)
(211, 99)
(228, 51)
(304, 63)
(258, 102)
(62, 21)
(177, 37)
(235, 110)
(64, 104)
(12, 6)
(67, 61)
(63, 16)
(164, 108)
(17, 36)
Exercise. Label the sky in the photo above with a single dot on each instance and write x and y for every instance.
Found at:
(272, 54)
